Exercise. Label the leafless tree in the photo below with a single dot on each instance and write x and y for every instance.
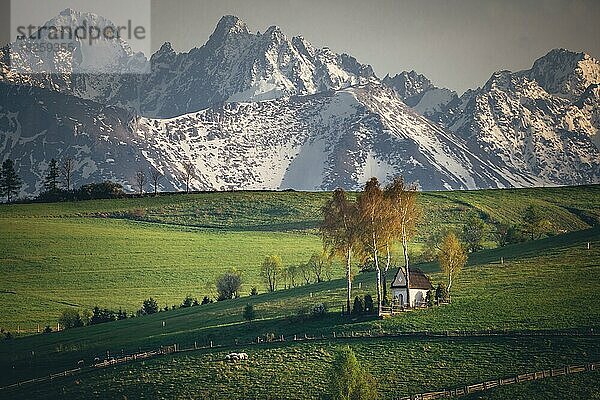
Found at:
(140, 181)
(373, 220)
(189, 170)
(155, 177)
(66, 170)
(403, 214)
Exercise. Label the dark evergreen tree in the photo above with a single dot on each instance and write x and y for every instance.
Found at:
(150, 306)
(359, 305)
(249, 313)
(188, 301)
(10, 183)
(52, 176)
(368, 303)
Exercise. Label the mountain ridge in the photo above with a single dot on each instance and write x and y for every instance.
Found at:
(210, 105)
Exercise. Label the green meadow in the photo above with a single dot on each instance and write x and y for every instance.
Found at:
(115, 253)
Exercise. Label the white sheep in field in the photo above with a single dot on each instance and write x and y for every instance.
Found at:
(236, 357)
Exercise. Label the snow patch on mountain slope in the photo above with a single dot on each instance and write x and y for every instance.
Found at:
(313, 142)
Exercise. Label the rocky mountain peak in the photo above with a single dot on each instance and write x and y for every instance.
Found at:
(228, 25)
(565, 73)
(409, 85)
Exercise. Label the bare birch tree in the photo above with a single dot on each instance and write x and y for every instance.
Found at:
(66, 170)
(189, 170)
(339, 232)
(155, 177)
(140, 181)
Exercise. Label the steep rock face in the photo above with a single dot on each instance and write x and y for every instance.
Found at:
(262, 111)
(423, 96)
(565, 73)
(236, 65)
(101, 71)
(541, 121)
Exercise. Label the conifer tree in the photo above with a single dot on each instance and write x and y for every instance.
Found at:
(10, 182)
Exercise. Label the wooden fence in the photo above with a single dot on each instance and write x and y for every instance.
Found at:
(478, 387)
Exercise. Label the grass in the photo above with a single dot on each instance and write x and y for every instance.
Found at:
(51, 264)
(524, 294)
(300, 371)
(115, 253)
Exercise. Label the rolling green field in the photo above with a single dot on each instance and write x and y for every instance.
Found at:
(115, 253)
(53, 263)
(526, 293)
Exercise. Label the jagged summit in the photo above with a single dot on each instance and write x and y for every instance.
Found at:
(409, 85)
(565, 73)
(229, 25)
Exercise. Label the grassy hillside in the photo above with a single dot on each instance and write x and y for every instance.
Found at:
(528, 292)
(300, 371)
(52, 263)
(115, 253)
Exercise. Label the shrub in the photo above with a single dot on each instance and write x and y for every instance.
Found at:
(228, 285)
(101, 316)
(441, 292)
(70, 319)
(249, 313)
(104, 190)
(206, 300)
(319, 310)
(348, 379)
(358, 306)
(254, 291)
(369, 304)
(150, 306)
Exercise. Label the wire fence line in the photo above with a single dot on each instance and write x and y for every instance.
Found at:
(272, 339)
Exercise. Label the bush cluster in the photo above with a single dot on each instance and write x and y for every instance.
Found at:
(363, 305)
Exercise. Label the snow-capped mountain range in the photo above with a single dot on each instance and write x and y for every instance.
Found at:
(264, 111)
